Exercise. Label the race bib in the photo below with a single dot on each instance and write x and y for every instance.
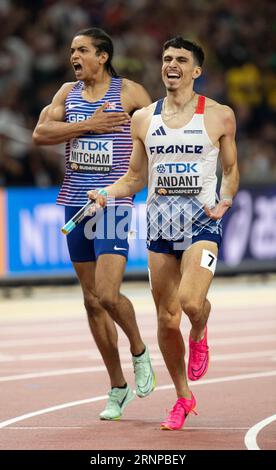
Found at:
(208, 261)
(176, 179)
(91, 155)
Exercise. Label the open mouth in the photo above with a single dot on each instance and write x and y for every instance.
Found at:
(77, 67)
(173, 75)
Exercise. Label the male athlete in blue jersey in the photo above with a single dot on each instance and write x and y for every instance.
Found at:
(176, 143)
(92, 116)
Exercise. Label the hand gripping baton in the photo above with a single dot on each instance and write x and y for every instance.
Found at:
(77, 218)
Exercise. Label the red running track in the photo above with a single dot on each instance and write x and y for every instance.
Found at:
(53, 383)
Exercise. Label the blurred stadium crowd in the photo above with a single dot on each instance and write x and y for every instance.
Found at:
(240, 69)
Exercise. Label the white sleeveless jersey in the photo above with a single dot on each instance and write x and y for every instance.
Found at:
(181, 177)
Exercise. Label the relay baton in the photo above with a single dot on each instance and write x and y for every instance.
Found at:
(77, 218)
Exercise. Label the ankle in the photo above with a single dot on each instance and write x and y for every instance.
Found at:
(124, 385)
(187, 395)
(197, 334)
(137, 352)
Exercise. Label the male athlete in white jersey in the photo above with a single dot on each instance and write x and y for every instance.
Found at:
(176, 142)
(92, 116)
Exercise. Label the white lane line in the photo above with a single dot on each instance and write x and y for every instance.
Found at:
(245, 355)
(91, 354)
(157, 361)
(10, 343)
(44, 327)
(60, 372)
(52, 373)
(230, 378)
(87, 338)
(250, 438)
(57, 428)
(49, 355)
(94, 355)
(269, 325)
(43, 411)
(242, 339)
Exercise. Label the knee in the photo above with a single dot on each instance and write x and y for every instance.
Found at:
(109, 301)
(168, 320)
(192, 307)
(92, 305)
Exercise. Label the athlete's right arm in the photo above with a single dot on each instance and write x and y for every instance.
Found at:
(51, 128)
(137, 175)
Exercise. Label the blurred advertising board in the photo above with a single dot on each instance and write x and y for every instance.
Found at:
(31, 243)
(249, 230)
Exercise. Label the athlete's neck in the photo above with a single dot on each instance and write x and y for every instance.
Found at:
(96, 87)
(177, 102)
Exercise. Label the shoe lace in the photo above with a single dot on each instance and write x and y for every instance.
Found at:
(139, 366)
(198, 352)
(197, 356)
(113, 397)
(175, 413)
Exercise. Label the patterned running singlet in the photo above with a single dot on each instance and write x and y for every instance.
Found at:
(94, 161)
(182, 177)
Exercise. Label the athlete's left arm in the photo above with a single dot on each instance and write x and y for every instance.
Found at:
(229, 164)
(134, 96)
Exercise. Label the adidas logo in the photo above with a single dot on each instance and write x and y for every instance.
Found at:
(159, 131)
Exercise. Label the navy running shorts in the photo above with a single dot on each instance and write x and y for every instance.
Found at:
(167, 246)
(106, 232)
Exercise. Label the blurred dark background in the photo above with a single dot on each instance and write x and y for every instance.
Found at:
(240, 69)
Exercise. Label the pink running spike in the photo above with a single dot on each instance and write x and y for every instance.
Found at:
(179, 413)
(198, 358)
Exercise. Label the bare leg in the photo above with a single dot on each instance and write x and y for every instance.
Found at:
(101, 325)
(109, 274)
(165, 278)
(198, 326)
(194, 287)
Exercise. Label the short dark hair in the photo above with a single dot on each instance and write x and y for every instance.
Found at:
(179, 43)
(103, 43)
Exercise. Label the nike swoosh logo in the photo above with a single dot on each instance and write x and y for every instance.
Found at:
(77, 105)
(145, 386)
(116, 248)
(123, 401)
(197, 372)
